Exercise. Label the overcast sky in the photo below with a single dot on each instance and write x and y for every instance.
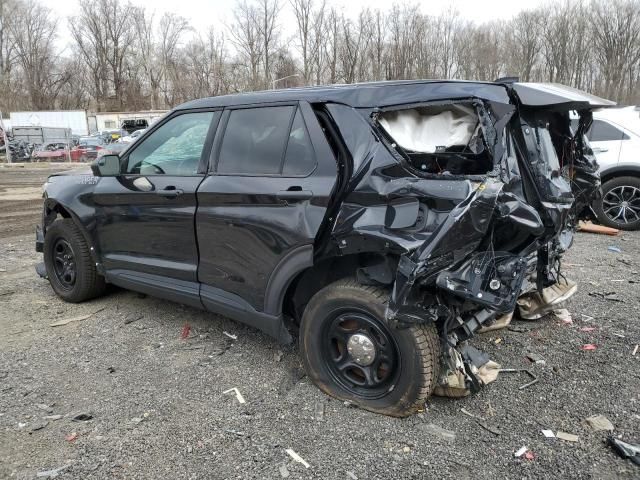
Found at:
(203, 13)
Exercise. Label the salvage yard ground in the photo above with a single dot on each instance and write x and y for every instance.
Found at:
(157, 407)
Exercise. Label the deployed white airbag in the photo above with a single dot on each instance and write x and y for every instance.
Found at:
(430, 129)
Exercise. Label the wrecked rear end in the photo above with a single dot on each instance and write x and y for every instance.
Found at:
(461, 198)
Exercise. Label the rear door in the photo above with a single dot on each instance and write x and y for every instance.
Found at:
(145, 216)
(262, 205)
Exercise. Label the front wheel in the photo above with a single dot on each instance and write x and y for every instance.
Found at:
(352, 353)
(70, 268)
(619, 206)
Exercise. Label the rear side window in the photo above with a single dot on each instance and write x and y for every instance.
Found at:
(604, 132)
(300, 158)
(266, 141)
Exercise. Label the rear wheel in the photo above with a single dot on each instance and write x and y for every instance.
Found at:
(70, 268)
(351, 352)
(619, 206)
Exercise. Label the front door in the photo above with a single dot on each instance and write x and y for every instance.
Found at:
(145, 217)
(261, 208)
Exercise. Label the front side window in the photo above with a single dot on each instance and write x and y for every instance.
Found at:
(174, 149)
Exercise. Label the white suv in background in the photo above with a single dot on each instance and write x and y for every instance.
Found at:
(615, 139)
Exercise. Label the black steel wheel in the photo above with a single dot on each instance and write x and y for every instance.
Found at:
(350, 351)
(619, 206)
(70, 268)
(362, 354)
(64, 263)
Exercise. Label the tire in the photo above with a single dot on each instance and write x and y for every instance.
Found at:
(623, 189)
(413, 353)
(63, 239)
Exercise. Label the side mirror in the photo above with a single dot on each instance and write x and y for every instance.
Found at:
(106, 166)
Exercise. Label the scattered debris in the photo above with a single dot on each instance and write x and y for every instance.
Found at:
(8, 292)
(443, 433)
(82, 417)
(599, 422)
(39, 426)
(319, 411)
(567, 436)
(635, 350)
(587, 318)
(352, 476)
(588, 347)
(548, 433)
(537, 359)
(587, 329)
(519, 329)
(625, 261)
(235, 432)
(469, 414)
(66, 321)
(132, 318)
(529, 455)
(625, 450)
(497, 341)
(589, 227)
(53, 473)
(138, 420)
(53, 417)
(610, 296)
(518, 370)
(278, 356)
(489, 428)
(111, 370)
(72, 437)
(297, 457)
(45, 407)
(230, 335)
(284, 473)
(563, 315)
(239, 396)
(186, 329)
(613, 248)
(520, 452)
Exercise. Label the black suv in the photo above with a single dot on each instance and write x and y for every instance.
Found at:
(384, 222)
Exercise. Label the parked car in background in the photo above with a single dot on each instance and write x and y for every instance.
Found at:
(134, 125)
(88, 148)
(132, 137)
(113, 149)
(615, 139)
(52, 152)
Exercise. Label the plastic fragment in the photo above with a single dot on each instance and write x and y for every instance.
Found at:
(569, 437)
(599, 422)
(185, 331)
(625, 450)
(239, 396)
(548, 433)
(587, 329)
(297, 457)
(589, 346)
(635, 350)
(72, 437)
(613, 248)
(230, 335)
(529, 455)
(520, 452)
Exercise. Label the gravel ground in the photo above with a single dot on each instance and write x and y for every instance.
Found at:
(158, 408)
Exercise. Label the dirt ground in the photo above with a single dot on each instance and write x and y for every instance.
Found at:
(158, 407)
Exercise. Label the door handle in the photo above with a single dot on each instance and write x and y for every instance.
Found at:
(294, 194)
(170, 192)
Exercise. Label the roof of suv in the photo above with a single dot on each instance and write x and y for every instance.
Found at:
(397, 92)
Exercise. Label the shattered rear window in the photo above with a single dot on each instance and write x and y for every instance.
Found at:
(439, 139)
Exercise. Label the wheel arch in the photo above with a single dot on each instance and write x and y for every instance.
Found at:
(620, 171)
(306, 283)
(54, 209)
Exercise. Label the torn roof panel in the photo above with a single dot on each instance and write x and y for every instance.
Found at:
(429, 129)
(554, 94)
